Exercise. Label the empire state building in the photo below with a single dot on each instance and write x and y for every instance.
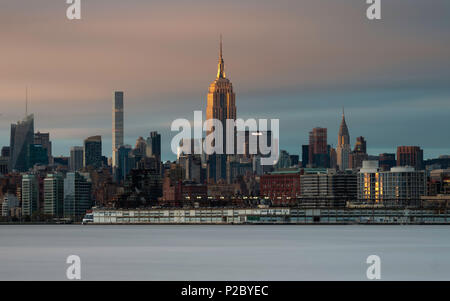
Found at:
(221, 98)
(221, 105)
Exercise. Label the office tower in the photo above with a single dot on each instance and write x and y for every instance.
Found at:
(386, 161)
(221, 105)
(295, 160)
(318, 148)
(117, 125)
(77, 195)
(343, 148)
(37, 154)
(399, 186)
(44, 140)
(30, 194)
(154, 145)
(190, 160)
(6, 152)
(76, 158)
(140, 148)
(4, 165)
(410, 156)
(359, 154)
(125, 162)
(332, 158)
(360, 145)
(22, 135)
(92, 152)
(54, 195)
(305, 155)
(284, 160)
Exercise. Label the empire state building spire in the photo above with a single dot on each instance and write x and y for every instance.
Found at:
(221, 65)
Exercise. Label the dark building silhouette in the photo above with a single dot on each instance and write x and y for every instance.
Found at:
(318, 148)
(92, 152)
(386, 161)
(410, 156)
(305, 155)
(44, 140)
(22, 135)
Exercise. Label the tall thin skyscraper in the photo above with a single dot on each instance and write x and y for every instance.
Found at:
(221, 105)
(343, 148)
(117, 125)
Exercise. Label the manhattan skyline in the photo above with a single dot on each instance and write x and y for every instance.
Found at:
(286, 61)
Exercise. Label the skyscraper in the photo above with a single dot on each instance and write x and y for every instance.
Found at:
(386, 161)
(92, 152)
(30, 194)
(221, 105)
(124, 162)
(410, 156)
(318, 148)
(343, 148)
(22, 135)
(76, 158)
(54, 195)
(117, 125)
(44, 140)
(77, 195)
(359, 153)
(154, 145)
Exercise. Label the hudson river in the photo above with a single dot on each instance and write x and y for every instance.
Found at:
(157, 252)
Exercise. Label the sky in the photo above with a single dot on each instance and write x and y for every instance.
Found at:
(297, 60)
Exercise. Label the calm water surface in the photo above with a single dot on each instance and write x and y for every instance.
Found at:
(224, 252)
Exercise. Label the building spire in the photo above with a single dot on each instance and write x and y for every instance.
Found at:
(221, 65)
(26, 101)
(220, 53)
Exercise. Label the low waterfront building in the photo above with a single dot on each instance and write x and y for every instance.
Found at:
(272, 215)
(281, 187)
(401, 186)
(327, 188)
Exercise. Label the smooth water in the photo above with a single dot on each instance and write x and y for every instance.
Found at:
(269, 252)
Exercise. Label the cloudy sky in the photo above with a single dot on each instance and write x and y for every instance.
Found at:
(297, 60)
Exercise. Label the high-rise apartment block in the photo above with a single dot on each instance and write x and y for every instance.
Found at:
(30, 194)
(77, 194)
(54, 195)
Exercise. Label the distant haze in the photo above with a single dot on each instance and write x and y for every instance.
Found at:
(297, 60)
